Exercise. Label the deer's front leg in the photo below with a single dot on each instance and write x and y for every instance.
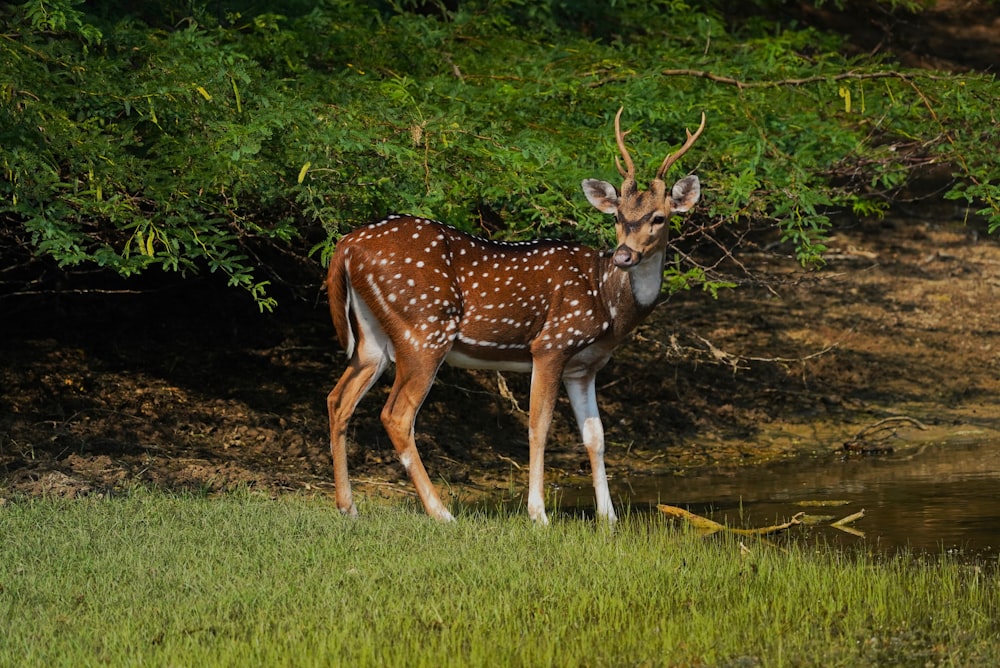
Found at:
(545, 375)
(583, 397)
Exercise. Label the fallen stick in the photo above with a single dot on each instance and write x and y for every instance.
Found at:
(703, 524)
(708, 526)
(853, 517)
(844, 521)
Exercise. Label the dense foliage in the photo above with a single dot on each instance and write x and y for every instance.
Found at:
(192, 137)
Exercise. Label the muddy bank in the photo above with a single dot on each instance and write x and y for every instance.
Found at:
(188, 389)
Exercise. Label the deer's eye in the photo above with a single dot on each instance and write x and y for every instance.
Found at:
(658, 219)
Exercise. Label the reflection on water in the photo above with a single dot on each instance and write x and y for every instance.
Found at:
(932, 499)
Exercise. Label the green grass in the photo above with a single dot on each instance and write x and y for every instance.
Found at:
(159, 579)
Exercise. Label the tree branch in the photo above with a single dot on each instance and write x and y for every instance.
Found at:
(718, 78)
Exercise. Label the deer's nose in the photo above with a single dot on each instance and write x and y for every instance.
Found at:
(626, 258)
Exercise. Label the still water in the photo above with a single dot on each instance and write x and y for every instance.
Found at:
(930, 499)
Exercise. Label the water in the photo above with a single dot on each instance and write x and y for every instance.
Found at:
(933, 499)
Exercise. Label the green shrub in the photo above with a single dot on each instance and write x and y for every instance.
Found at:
(188, 140)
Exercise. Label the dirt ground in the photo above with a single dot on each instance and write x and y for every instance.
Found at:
(187, 387)
(190, 389)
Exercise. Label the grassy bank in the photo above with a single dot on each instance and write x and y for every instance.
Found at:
(241, 580)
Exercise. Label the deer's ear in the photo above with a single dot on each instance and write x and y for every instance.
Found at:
(602, 195)
(685, 194)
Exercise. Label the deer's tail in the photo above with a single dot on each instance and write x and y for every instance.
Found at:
(338, 290)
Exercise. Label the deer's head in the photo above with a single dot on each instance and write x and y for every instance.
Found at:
(642, 216)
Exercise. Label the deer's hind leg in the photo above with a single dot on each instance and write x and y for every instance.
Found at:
(360, 375)
(372, 354)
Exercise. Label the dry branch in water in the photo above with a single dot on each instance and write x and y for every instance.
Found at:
(871, 439)
(849, 519)
(707, 527)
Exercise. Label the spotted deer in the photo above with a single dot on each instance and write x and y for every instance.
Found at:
(420, 293)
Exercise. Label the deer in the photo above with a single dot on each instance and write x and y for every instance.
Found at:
(419, 293)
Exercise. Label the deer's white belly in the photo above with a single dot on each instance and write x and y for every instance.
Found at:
(465, 361)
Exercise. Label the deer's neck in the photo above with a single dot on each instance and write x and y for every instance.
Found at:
(647, 279)
(631, 295)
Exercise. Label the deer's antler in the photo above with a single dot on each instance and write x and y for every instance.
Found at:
(629, 172)
(671, 159)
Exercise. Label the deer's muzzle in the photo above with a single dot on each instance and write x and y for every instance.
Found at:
(626, 258)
